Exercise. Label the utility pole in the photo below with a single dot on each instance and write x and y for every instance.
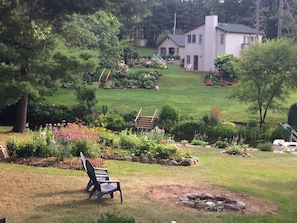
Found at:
(174, 24)
(257, 18)
(280, 18)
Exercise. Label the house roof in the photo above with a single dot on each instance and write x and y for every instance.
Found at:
(235, 28)
(179, 40)
(229, 28)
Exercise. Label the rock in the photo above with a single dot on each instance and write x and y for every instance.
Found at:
(153, 161)
(186, 162)
(222, 198)
(184, 198)
(128, 158)
(192, 196)
(172, 163)
(195, 160)
(235, 206)
(3, 153)
(144, 160)
(207, 196)
(135, 159)
(162, 161)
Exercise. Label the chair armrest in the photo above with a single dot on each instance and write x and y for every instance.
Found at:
(99, 168)
(109, 181)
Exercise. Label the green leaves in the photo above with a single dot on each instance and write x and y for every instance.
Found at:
(267, 73)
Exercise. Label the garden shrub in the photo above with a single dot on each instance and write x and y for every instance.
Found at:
(292, 115)
(162, 151)
(267, 146)
(155, 135)
(145, 148)
(199, 142)
(114, 218)
(222, 143)
(236, 150)
(35, 146)
(214, 118)
(85, 97)
(112, 121)
(250, 132)
(189, 128)
(88, 146)
(224, 130)
(169, 115)
(128, 140)
(40, 115)
(200, 139)
(224, 63)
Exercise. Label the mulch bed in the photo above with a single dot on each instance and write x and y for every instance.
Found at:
(68, 163)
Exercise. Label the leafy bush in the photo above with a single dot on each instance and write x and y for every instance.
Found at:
(224, 63)
(114, 218)
(224, 130)
(199, 142)
(222, 143)
(189, 127)
(40, 115)
(162, 151)
(267, 146)
(292, 115)
(251, 131)
(155, 135)
(169, 115)
(112, 121)
(214, 118)
(236, 150)
(86, 97)
(88, 146)
(35, 146)
(128, 140)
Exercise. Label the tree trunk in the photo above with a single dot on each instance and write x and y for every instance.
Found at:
(21, 114)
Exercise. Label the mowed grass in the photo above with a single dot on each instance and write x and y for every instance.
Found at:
(33, 194)
(185, 90)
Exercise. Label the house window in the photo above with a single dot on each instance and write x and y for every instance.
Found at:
(163, 51)
(222, 39)
(200, 39)
(188, 59)
(189, 38)
(193, 38)
(171, 51)
(247, 41)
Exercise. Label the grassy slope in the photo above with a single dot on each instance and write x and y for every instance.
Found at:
(51, 195)
(185, 90)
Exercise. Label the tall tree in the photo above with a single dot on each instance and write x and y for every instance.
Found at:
(266, 74)
(34, 58)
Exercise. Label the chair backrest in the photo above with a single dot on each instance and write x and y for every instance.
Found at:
(91, 172)
(83, 160)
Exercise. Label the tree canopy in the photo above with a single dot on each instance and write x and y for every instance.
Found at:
(267, 72)
(38, 51)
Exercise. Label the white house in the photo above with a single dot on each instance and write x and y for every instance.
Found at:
(173, 45)
(203, 43)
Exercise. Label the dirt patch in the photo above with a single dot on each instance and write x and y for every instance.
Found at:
(170, 195)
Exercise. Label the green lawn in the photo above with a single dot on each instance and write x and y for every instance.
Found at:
(185, 90)
(32, 194)
(145, 51)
